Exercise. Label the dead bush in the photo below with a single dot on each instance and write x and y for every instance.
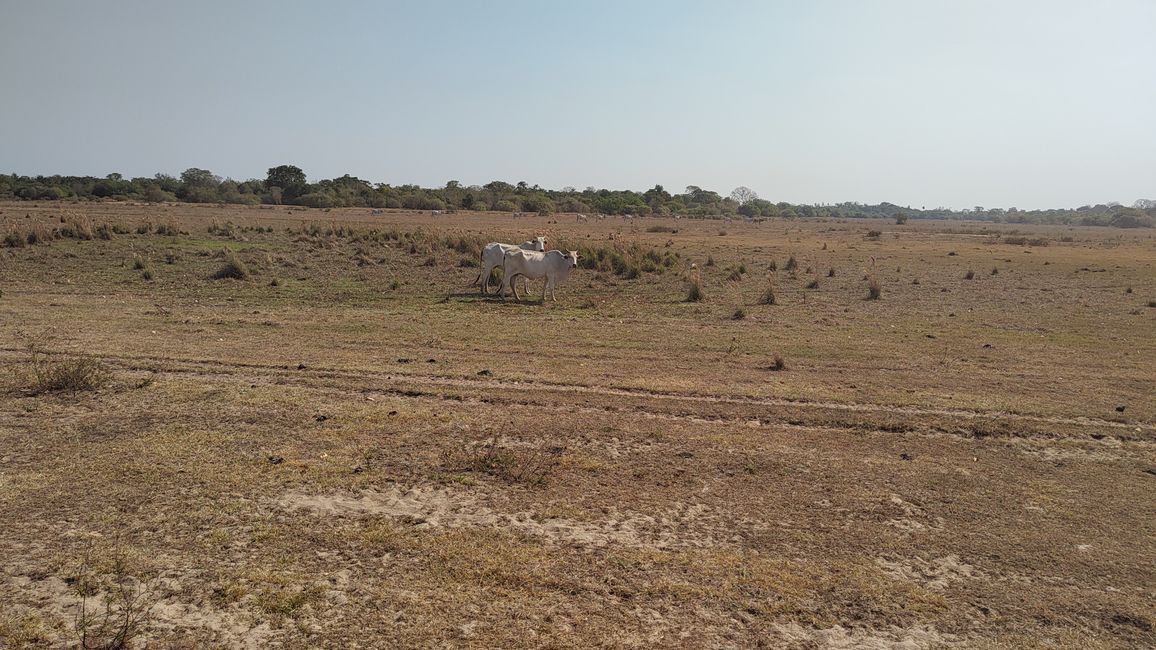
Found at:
(66, 375)
(874, 288)
(527, 466)
(694, 290)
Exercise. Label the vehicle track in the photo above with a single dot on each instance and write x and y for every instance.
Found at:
(498, 390)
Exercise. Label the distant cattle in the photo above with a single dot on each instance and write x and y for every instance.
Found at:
(493, 256)
(581, 218)
(555, 266)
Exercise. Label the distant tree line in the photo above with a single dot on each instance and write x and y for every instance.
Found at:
(287, 185)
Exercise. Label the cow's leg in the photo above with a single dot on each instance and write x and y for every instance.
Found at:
(545, 288)
(514, 287)
(484, 277)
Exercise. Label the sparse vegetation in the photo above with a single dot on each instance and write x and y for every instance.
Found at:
(874, 287)
(738, 314)
(969, 275)
(778, 364)
(768, 296)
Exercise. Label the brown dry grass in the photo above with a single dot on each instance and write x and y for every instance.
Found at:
(946, 464)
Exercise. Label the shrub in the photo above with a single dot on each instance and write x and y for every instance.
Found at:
(813, 284)
(662, 229)
(778, 364)
(900, 219)
(504, 206)
(994, 271)
(233, 268)
(831, 272)
(147, 227)
(874, 288)
(710, 260)
(15, 240)
(773, 266)
(735, 275)
(147, 274)
(874, 234)
(791, 264)
(430, 261)
(167, 229)
(969, 275)
(738, 314)
(104, 231)
(138, 262)
(67, 375)
(532, 466)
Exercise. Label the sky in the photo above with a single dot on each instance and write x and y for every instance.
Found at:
(1008, 103)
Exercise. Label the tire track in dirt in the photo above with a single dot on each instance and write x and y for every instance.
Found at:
(500, 391)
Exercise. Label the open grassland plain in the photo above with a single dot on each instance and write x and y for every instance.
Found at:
(254, 427)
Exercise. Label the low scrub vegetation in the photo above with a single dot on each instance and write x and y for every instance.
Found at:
(233, 267)
(66, 375)
(514, 465)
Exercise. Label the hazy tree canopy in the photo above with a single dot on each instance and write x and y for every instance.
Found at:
(742, 194)
(288, 184)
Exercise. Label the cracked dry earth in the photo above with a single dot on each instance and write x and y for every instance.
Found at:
(348, 477)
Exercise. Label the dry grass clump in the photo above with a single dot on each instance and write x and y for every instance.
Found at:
(526, 466)
(831, 272)
(694, 290)
(969, 275)
(233, 267)
(769, 297)
(778, 364)
(791, 264)
(15, 240)
(813, 284)
(66, 375)
(629, 261)
(874, 288)
(138, 263)
(738, 314)
(668, 229)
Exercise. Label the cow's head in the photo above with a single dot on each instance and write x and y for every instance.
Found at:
(540, 243)
(572, 258)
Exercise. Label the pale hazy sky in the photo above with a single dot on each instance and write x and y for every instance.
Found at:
(918, 102)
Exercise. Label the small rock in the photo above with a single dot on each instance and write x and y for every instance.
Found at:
(404, 360)
(485, 373)
(276, 460)
(300, 366)
(685, 454)
(906, 456)
(393, 412)
(987, 345)
(431, 360)
(321, 418)
(1120, 408)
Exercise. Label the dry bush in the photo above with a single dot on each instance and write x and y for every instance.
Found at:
(1024, 241)
(38, 235)
(233, 268)
(668, 229)
(735, 275)
(778, 364)
(874, 288)
(69, 375)
(791, 264)
(831, 272)
(994, 271)
(15, 240)
(138, 263)
(969, 275)
(104, 231)
(527, 466)
(738, 314)
(114, 608)
(709, 260)
(813, 284)
(874, 234)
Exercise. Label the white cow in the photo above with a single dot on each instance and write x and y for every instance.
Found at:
(493, 255)
(555, 266)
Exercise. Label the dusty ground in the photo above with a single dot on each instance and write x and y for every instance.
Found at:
(351, 448)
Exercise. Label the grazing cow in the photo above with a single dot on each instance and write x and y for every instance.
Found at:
(581, 218)
(555, 266)
(493, 255)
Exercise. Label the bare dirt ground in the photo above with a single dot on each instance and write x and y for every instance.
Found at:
(350, 447)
